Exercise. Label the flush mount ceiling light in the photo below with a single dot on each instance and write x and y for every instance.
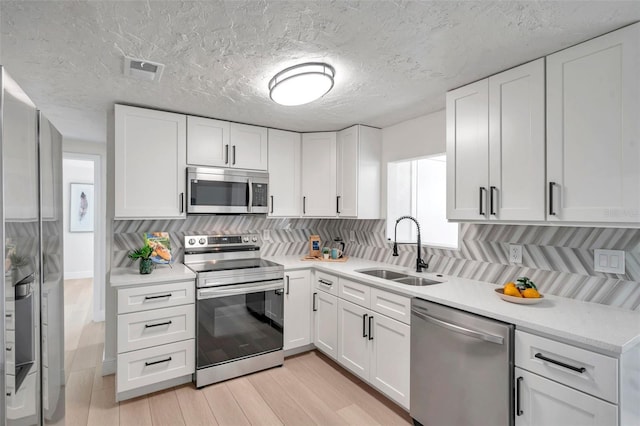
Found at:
(302, 83)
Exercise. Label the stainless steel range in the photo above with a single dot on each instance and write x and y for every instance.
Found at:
(239, 306)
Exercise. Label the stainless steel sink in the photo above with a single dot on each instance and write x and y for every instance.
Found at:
(384, 273)
(417, 281)
(398, 277)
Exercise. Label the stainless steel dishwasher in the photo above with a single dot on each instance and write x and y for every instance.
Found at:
(461, 368)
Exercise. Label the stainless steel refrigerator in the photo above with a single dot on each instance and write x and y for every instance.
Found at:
(31, 221)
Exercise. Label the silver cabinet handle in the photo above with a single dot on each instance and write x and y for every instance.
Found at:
(462, 330)
(315, 297)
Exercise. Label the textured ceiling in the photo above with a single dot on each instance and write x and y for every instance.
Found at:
(394, 60)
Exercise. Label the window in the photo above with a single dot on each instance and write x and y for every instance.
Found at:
(418, 188)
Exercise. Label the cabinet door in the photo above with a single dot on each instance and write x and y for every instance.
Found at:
(540, 401)
(593, 131)
(150, 163)
(468, 152)
(248, 147)
(517, 143)
(353, 342)
(347, 172)
(390, 351)
(284, 173)
(297, 305)
(319, 174)
(325, 307)
(207, 142)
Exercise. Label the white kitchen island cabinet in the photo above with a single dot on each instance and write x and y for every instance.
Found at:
(319, 174)
(496, 147)
(593, 130)
(150, 162)
(284, 173)
(297, 308)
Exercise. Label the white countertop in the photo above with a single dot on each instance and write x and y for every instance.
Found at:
(599, 327)
(161, 274)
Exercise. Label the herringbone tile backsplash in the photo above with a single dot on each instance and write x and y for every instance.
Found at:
(558, 259)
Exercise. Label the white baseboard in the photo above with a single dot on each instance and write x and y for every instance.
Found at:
(78, 275)
(109, 366)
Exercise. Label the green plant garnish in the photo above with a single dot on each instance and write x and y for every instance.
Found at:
(524, 282)
(143, 252)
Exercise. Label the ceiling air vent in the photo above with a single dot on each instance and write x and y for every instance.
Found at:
(142, 70)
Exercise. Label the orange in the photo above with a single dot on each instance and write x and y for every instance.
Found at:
(510, 284)
(531, 293)
(512, 291)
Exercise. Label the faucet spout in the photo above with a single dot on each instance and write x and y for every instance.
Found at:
(420, 263)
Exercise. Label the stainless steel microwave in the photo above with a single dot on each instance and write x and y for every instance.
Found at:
(217, 190)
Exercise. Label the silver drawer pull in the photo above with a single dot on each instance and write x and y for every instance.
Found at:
(560, 363)
(161, 296)
(329, 283)
(147, 364)
(157, 325)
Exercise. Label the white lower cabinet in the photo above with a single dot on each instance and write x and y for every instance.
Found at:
(540, 401)
(375, 348)
(325, 320)
(155, 337)
(297, 305)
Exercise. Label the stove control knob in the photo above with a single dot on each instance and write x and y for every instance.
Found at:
(254, 239)
(203, 241)
(192, 241)
(245, 239)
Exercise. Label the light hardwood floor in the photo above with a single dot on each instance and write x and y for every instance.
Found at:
(309, 389)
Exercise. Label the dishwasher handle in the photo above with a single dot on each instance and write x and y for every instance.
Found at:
(458, 329)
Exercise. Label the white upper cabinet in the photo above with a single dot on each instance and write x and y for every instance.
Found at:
(496, 147)
(468, 151)
(284, 173)
(249, 147)
(593, 130)
(517, 143)
(219, 143)
(358, 172)
(150, 162)
(207, 142)
(319, 174)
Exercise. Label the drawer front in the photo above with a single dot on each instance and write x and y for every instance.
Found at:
(355, 292)
(326, 282)
(156, 296)
(545, 356)
(155, 365)
(139, 330)
(392, 305)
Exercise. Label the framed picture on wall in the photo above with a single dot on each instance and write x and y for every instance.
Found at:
(81, 205)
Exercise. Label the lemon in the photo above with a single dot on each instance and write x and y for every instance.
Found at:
(531, 293)
(512, 291)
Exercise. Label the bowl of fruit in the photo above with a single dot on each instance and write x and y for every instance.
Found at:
(523, 291)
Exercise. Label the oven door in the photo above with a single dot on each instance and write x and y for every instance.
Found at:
(239, 321)
(218, 193)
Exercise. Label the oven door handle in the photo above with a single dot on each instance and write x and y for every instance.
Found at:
(235, 290)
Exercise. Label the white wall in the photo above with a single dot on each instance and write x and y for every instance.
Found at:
(78, 246)
(419, 137)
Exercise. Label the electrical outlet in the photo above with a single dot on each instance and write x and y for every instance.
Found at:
(611, 261)
(352, 236)
(266, 235)
(515, 253)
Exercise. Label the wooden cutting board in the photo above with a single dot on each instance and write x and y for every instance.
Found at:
(320, 259)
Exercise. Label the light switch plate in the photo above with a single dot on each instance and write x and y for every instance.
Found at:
(352, 236)
(611, 261)
(515, 253)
